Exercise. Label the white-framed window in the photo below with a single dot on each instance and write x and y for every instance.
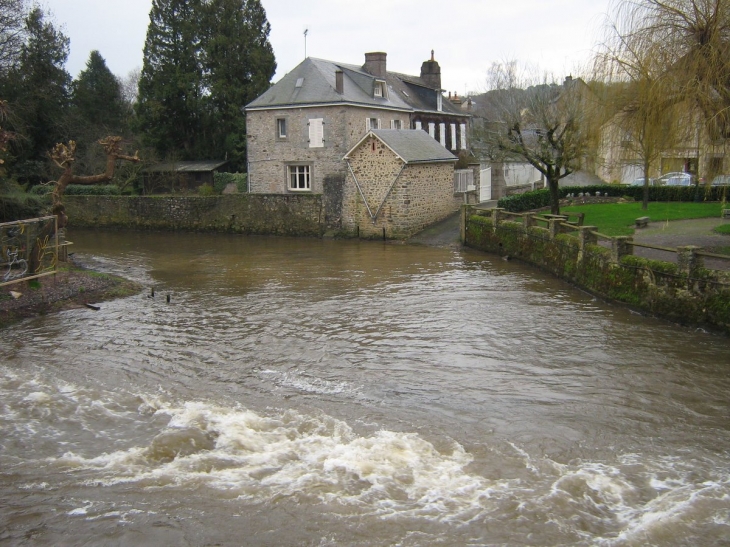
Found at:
(439, 101)
(463, 136)
(379, 89)
(395, 124)
(316, 133)
(372, 123)
(442, 134)
(432, 129)
(453, 136)
(299, 178)
(418, 125)
(281, 128)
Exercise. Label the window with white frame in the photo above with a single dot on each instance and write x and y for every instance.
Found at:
(281, 128)
(379, 88)
(316, 133)
(418, 125)
(453, 136)
(463, 135)
(442, 134)
(300, 178)
(432, 129)
(395, 124)
(372, 123)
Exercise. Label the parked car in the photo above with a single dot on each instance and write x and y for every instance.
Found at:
(677, 179)
(721, 180)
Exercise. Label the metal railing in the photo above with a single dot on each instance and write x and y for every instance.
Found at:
(28, 249)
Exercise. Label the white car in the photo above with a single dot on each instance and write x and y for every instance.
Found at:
(676, 178)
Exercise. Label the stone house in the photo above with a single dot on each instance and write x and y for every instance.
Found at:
(398, 182)
(692, 146)
(300, 129)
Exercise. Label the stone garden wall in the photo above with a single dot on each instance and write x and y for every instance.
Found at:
(287, 215)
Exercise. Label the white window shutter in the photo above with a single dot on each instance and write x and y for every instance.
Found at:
(316, 133)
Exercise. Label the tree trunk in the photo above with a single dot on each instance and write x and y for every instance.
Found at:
(554, 195)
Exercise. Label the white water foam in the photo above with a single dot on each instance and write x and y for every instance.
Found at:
(250, 456)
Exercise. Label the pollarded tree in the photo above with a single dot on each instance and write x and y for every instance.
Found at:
(239, 64)
(169, 104)
(544, 125)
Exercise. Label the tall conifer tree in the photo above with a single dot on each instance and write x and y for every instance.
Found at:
(204, 60)
(239, 65)
(37, 91)
(97, 95)
(170, 87)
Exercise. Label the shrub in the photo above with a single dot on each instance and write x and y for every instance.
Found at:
(206, 190)
(221, 180)
(541, 198)
(92, 190)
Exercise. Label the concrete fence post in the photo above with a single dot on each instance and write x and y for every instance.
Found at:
(495, 217)
(554, 227)
(466, 212)
(689, 262)
(585, 237)
(621, 246)
(529, 221)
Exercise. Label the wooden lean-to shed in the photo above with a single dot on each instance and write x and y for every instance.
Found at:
(398, 182)
(181, 176)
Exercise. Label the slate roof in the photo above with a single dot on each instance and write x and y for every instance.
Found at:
(410, 145)
(317, 79)
(186, 166)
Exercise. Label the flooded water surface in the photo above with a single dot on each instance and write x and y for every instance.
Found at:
(327, 393)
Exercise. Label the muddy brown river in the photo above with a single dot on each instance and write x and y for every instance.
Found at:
(344, 393)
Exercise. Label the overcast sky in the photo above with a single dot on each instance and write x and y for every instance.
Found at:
(555, 35)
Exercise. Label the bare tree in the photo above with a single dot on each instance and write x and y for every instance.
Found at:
(543, 125)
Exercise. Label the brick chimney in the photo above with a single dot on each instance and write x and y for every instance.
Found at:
(375, 64)
(431, 73)
(339, 82)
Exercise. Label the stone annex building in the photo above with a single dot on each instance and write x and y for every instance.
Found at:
(306, 131)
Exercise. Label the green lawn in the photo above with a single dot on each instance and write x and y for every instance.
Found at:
(617, 219)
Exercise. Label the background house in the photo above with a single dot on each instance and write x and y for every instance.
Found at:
(687, 144)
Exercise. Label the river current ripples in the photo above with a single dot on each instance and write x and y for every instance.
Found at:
(308, 392)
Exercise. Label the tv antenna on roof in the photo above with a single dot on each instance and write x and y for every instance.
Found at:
(306, 30)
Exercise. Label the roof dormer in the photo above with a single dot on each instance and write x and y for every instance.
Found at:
(380, 89)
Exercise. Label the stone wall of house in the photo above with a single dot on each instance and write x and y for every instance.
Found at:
(269, 155)
(288, 215)
(403, 198)
(344, 126)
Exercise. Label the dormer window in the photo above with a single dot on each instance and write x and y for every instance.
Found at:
(439, 101)
(379, 89)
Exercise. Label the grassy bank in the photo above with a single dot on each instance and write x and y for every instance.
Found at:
(617, 219)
